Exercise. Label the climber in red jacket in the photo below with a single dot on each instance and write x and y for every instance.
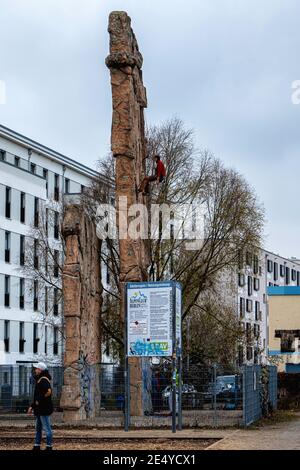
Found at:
(160, 173)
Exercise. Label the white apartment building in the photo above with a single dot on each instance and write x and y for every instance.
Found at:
(30, 175)
(262, 270)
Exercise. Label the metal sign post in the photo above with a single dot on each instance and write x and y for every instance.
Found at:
(174, 361)
(126, 377)
(153, 329)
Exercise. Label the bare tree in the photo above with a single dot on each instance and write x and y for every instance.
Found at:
(43, 265)
(233, 225)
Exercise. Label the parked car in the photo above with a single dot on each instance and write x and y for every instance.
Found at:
(227, 389)
(190, 396)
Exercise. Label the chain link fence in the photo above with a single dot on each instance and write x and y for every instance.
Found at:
(259, 392)
(212, 396)
(17, 385)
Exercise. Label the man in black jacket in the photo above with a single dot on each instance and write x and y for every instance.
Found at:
(42, 406)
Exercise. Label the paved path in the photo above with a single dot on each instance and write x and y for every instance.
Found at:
(281, 436)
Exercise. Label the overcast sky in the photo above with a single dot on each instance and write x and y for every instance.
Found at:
(225, 67)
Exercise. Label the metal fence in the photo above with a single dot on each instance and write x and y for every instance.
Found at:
(203, 388)
(211, 395)
(17, 384)
(259, 392)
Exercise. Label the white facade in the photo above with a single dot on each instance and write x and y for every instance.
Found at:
(29, 174)
(262, 270)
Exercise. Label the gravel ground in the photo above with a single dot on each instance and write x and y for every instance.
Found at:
(129, 444)
(94, 439)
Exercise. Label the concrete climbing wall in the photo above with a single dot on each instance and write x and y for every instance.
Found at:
(128, 147)
(82, 308)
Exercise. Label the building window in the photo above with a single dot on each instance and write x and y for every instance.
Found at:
(56, 187)
(36, 212)
(298, 278)
(287, 339)
(35, 254)
(240, 259)
(67, 186)
(2, 155)
(22, 208)
(46, 222)
(255, 264)
(249, 353)
(257, 311)
(294, 276)
(56, 225)
(240, 355)
(275, 271)
(55, 302)
(55, 341)
(82, 188)
(46, 340)
(282, 270)
(287, 275)
(256, 283)
(7, 247)
(36, 338)
(6, 335)
(249, 306)
(45, 176)
(22, 293)
(32, 168)
(21, 337)
(56, 263)
(7, 202)
(35, 295)
(22, 250)
(250, 285)
(271, 284)
(248, 332)
(270, 266)
(17, 162)
(242, 281)
(7, 291)
(242, 307)
(108, 274)
(46, 300)
(256, 331)
(249, 258)
(46, 264)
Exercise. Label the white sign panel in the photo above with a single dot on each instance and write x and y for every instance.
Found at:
(149, 318)
(178, 315)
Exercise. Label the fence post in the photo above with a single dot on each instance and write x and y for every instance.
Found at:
(215, 394)
(127, 396)
(244, 396)
(180, 393)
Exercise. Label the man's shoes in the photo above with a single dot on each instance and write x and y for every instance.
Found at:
(36, 448)
(49, 448)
